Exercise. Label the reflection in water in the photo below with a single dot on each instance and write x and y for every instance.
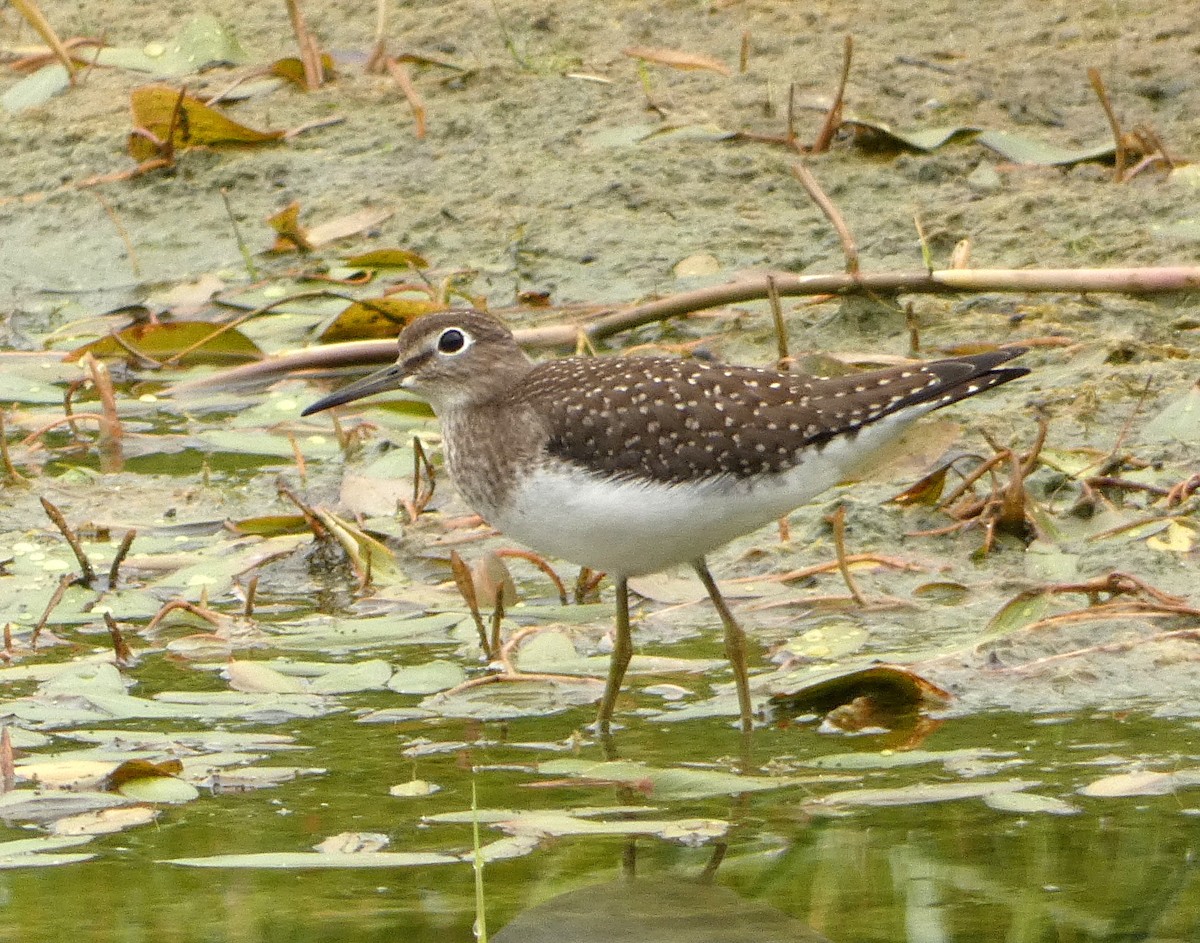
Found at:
(655, 910)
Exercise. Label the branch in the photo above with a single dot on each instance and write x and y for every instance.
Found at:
(1130, 281)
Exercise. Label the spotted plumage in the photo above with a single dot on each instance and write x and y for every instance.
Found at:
(676, 421)
(632, 465)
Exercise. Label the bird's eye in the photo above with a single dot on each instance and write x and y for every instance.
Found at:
(451, 341)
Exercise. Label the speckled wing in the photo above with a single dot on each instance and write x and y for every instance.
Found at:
(676, 421)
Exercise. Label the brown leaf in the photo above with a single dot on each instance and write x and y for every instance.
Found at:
(890, 687)
(292, 69)
(141, 769)
(377, 318)
(198, 124)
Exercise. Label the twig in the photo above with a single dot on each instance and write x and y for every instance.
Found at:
(7, 769)
(497, 616)
(744, 54)
(111, 211)
(1110, 648)
(1119, 156)
(399, 72)
(541, 564)
(781, 338)
(1133, 281)
(111, 456)
(833, 118)
(11, 475)
(208, 615)
(36, 19)
(375, 61)
(247, 257)
(466, 588)
(65, 582)
(838, 521)
(87, 574)
(114, 571)
(121, 650)
(310, 55)
(251, 594)
(826, 205)
(804, 573)
(241, 319)
(586, 583)
(422, 472)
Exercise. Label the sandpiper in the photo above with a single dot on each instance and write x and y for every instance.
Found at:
(631, 465)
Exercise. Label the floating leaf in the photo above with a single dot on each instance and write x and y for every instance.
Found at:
(36, 89)
(376, 318)
(1029, 803)
(921, 793)
(1022, 150)
(428, 678)
(192, 342)
(388, 258)
(509, 699)
(895, 759)
(104, 821)
(1015, 614)
(255, 677)
(892, 687)
(291, 236)
(142, 769)
(353, 842)
(414, 788)
(159, 789)
(700, 265)
(873, 133)
(199, 125)
(202, 42)
(555, 824)
(1179, 421)
(38, 805)
(314, 860)
(1177, 538)
(1146, 783)
(372, 675)
(830, 640)
(666, 784)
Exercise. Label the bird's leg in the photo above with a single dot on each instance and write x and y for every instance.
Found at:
(621, 653)
(735, 642)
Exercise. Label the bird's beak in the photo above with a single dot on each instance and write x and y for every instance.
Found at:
(389, 378)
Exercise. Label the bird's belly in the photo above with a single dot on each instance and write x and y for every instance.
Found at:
(638, 527)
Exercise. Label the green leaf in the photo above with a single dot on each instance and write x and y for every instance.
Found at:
(1022, 150)
(36, 89)
(315, 860)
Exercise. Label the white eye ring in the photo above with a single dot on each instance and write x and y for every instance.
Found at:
(453, 341)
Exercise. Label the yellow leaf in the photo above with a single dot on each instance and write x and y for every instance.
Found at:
(1177, 538)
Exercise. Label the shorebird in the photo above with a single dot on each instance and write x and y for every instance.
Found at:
(631, 465)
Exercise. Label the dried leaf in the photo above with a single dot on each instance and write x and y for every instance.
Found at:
(198, 124)
(677, 59)
(892, 687)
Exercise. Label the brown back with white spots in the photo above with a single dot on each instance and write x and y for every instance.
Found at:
(676, 421)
